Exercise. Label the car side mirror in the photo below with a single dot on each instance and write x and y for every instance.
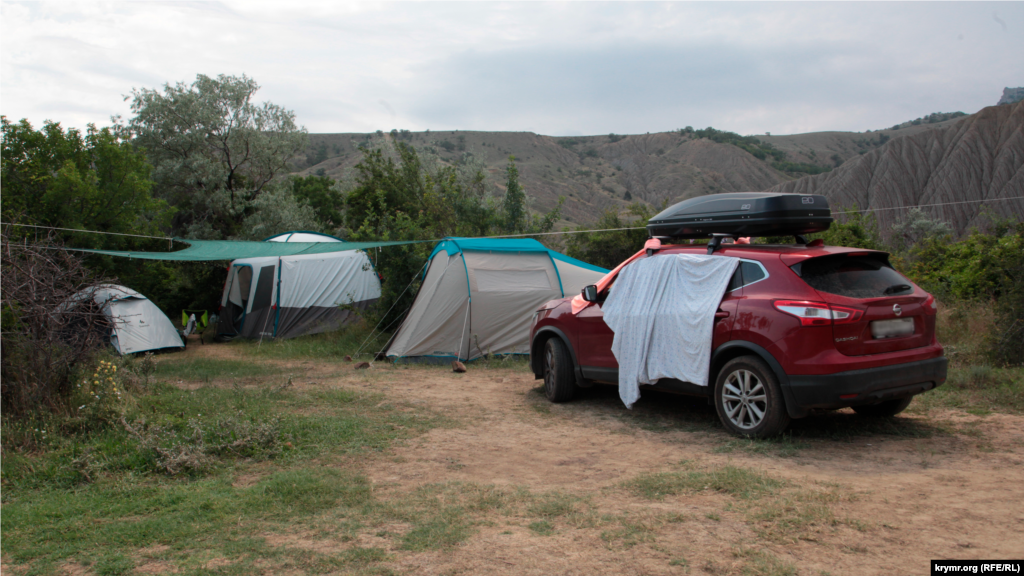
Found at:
(589, 293)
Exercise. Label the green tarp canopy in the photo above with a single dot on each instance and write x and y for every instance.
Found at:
(208, 250)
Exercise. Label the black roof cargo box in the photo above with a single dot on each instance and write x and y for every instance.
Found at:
(743, 214)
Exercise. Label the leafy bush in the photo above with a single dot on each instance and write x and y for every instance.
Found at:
(760, 150)
(982, 268)
(609, 249)
(853, 228)
(800, 168)
(978, 266)
(198, 450)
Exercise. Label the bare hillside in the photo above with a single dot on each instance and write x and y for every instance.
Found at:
(597, 173)
(977, 158)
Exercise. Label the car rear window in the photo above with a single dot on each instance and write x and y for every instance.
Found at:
(853, 275)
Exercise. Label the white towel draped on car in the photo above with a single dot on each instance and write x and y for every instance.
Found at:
(662, 311)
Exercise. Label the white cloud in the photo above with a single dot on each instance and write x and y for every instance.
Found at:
(589, 68)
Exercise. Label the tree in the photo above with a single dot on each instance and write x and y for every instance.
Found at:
(916, 227)
(64, 179)
(609, 249)
(515, 207)
(399, 196)
(323, 195)
(388, 178)
(514, 210)
(213, 149)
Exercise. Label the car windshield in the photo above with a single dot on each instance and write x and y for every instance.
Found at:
(855, 276)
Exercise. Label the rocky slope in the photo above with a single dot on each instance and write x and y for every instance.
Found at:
(965, 170)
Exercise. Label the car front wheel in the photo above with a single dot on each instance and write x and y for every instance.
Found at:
(558, 371)
(748, 399)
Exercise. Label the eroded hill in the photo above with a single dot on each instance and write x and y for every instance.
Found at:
(961, 173)
(597, 173)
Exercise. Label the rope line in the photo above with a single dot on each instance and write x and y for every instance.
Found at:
(386, 314)
(545, 233)
(932, 205)
(86, 231)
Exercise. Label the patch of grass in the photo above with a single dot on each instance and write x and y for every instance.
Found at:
(209, 516)
(194, 432)
(797, 516)
(763, 563)
(629, 532)
(961, 327)
(740, 482)
(542, 528)
(977, 389)
(554, 505)
(681, 562)
(103, 489)
(443, 515)
(210, 369)
(365, 555)
(354, 340)
(443, 530)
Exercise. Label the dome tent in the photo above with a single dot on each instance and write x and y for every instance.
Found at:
(479, 294)
(302, 236)
(288, 296)
(137, 325)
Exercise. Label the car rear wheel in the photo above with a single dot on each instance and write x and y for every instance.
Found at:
(884, 409)
(748, 399)
(558, 371)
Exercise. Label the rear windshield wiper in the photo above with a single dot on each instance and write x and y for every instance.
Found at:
(896, 288)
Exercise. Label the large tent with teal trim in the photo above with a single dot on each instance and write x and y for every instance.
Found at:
(285, 296)
(479, 294)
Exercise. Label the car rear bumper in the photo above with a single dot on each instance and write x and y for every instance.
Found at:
(867, 386)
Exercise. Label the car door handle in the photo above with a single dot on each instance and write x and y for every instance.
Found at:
(721, 314)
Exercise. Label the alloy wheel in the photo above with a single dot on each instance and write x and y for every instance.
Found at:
(744, 399)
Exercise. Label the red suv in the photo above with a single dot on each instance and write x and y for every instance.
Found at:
(800, 327)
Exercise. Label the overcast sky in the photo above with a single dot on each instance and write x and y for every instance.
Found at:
(553, 68)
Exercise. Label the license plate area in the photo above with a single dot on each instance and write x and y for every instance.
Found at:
(881, 329)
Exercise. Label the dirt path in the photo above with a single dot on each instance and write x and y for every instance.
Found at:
(861, 499)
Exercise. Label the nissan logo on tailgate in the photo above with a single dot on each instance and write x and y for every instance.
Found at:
(896, 309)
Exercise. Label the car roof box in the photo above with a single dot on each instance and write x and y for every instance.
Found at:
(743, 214)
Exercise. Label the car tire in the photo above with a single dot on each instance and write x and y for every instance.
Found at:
(884, 409)
(748, 399)
(559, 380)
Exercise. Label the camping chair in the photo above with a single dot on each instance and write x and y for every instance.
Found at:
(194, 321)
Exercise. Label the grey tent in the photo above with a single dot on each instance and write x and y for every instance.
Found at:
(137, 325)
(288, 296)
(479, 294)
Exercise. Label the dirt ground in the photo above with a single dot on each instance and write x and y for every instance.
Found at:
(942, 484)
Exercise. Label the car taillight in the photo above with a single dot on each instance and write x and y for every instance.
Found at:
(818, 313)
(930, 305)
(841, 315)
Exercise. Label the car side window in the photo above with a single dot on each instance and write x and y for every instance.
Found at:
(747, 273)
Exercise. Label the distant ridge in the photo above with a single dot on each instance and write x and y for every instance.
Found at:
(978, 158)
(608, 172)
